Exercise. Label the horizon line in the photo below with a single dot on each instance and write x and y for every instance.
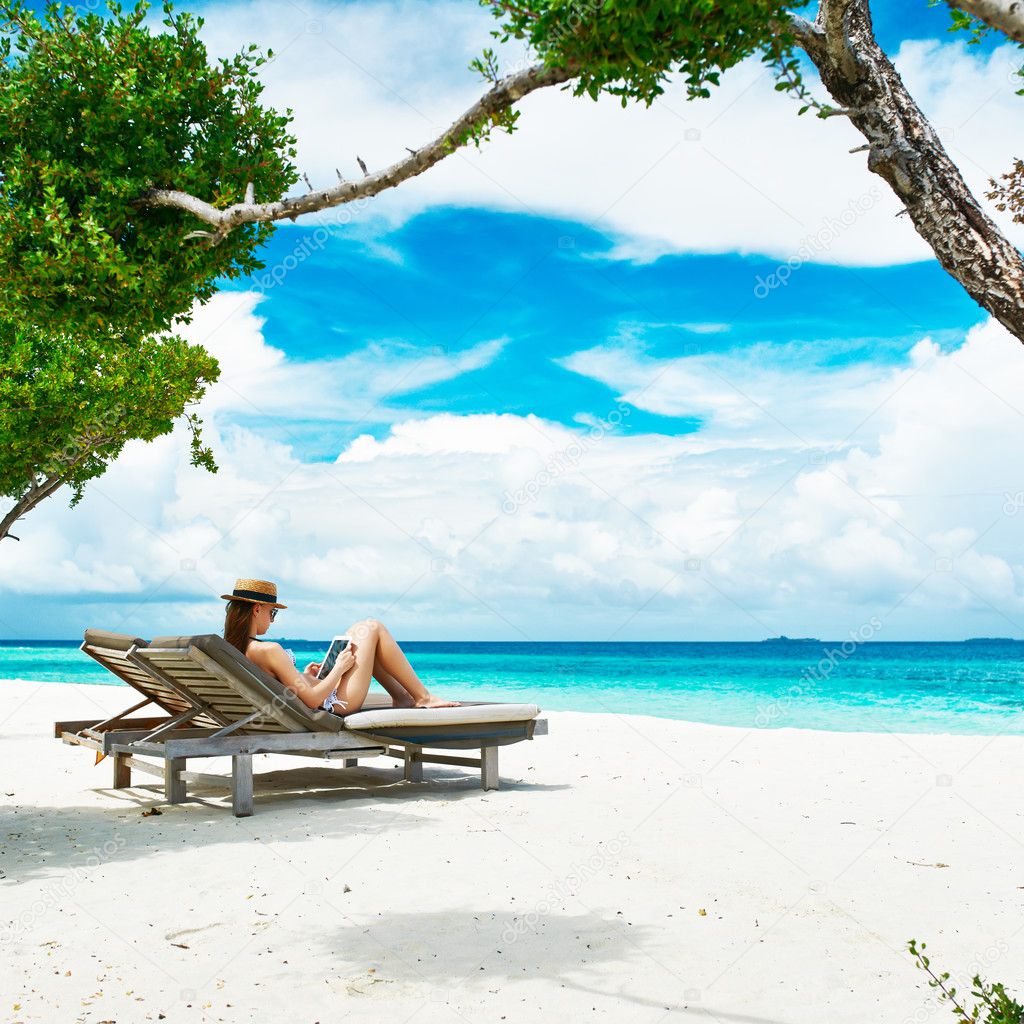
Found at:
(781, 640)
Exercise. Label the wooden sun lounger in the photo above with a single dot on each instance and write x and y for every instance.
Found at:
(217, 703)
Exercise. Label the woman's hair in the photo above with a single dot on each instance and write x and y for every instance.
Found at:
(237, 620)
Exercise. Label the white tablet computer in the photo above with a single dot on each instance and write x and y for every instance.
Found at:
(338, 644)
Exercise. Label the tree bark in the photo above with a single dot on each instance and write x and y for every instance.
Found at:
(905, 151)
(1005, 15)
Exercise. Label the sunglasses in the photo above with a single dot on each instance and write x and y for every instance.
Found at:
(273, 613)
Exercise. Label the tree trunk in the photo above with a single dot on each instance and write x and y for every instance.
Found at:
(907, 154)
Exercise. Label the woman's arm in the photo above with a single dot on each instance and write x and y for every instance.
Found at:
(311, 691)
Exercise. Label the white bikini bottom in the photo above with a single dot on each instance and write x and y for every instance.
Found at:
(332, 700)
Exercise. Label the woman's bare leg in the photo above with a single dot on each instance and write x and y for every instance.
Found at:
(391, 659)
(400, 697)
(355, 683)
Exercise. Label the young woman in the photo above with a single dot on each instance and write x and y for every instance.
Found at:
(372, 654)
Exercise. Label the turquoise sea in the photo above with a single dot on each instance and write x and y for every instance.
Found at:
(956, 687)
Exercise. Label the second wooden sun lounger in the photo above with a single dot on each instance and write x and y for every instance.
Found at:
(218, 703)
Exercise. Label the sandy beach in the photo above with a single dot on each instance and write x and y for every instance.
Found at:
(630, 868)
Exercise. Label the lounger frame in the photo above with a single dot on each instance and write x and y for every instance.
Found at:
(175, 738)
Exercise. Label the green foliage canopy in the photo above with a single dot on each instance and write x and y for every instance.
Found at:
(67, 407)
(628, 49)
(94, 111)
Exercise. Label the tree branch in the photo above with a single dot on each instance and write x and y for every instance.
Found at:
(808, 35)
(503, 95)
(39, 488)
(834, 17)
(36, 492)
(1005, 15)
(905, 151)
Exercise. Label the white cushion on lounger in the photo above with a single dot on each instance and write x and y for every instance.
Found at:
(469, 715)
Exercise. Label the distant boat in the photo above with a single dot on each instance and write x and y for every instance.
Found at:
(791, 640)
(991, 640)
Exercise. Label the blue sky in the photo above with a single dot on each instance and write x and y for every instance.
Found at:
(573, 324)
(550, 288)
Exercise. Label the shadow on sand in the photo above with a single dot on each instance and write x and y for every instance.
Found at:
(40, 842)
(455, 952)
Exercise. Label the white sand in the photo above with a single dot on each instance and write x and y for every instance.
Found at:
(573, 892)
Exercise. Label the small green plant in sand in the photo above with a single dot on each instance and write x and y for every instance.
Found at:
(993, 1006)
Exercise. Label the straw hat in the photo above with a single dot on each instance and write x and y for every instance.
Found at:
(255, 592)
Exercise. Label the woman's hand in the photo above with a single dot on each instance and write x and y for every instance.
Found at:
(347, 658)
(313, 669)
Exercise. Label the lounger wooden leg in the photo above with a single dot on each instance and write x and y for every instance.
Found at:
(350, 762)
(413, 767)
(122, 771)
(241, 785)
(174, 784)
(489, 767)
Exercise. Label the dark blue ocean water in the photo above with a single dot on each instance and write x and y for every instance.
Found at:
(958, 687)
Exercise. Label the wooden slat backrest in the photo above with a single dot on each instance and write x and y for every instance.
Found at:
(232, 685)
(115, 660)
(222, 699)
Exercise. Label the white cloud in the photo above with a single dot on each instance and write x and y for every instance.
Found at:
(448, 434)
(508, 526)
(258, 379)
(763, 396)
(812, 497)
(737, 173)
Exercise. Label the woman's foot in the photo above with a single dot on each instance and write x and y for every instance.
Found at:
(403, 702)
(436, 702)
